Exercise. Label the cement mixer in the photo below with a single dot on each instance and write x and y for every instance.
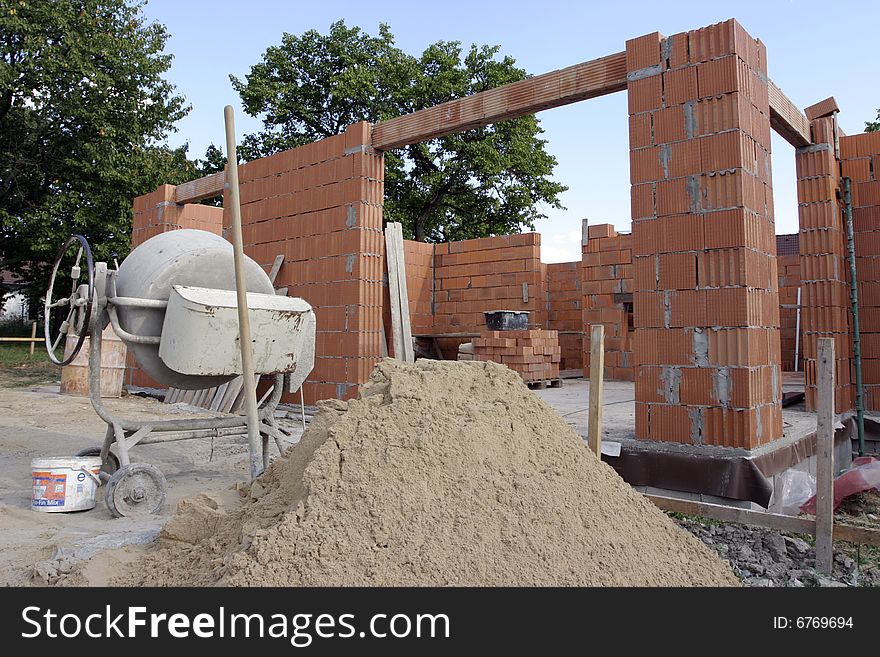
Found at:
(172, 301)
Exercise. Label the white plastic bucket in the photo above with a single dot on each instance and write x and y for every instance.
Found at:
(66, 484)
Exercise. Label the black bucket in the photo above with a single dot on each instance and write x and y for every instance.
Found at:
(507, 320)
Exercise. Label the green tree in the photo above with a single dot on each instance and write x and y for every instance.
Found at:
(83, 111)
(486, 181)
(873, 126)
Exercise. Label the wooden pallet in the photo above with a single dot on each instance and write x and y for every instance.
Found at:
(544, 383)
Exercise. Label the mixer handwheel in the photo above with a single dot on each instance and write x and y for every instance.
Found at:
(135, 490)
(78, 303)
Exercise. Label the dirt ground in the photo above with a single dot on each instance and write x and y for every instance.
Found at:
(90, 547)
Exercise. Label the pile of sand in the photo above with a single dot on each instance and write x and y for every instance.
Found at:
(442, 473)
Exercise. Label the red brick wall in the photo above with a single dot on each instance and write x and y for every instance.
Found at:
(706, 301)
(822, 241)
(860, 160)
(320, 205)
(419, 259)
(564, 303)
(607, 275)
(789, 269)
(474, 276)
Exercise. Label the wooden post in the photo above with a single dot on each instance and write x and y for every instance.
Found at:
(825, 457)
(33, 337)
(597, 370)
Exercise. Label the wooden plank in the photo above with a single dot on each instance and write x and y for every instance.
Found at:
(851, 533)
(597, 375)
(568, 85)
(218, 396)
(21, 339)
(403, 295)
(786, 119)
(825, 456)
(229, 396)
(734, 514)
(201, 188)
(276, 267)
(394, 294)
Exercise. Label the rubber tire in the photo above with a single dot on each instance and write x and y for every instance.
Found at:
(110, 466)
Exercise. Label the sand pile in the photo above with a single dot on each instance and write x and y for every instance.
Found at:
(442, 473)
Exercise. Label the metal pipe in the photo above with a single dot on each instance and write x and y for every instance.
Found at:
(124, 335)
(135, 302)
(854, 302)
(797, 331)
(255, 446)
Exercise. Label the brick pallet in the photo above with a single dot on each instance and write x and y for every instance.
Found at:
(533, 354)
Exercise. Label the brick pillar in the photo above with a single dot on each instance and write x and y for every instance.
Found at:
(156, 213)
(824, 267)
(705, 280)
(860, 160)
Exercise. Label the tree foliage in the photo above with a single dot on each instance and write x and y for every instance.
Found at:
(873, 126)
(486, 181)
(83, 109)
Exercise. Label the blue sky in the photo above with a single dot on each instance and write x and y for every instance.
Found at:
(815, 50)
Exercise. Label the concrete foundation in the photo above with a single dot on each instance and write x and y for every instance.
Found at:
(794, 451)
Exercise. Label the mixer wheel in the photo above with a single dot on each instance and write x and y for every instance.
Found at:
(109, 466)
(135, 490)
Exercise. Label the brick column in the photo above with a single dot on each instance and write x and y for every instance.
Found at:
(860, 160)
(705, 280)
(824, 268)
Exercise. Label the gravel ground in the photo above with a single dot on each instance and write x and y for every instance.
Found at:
(765, 557)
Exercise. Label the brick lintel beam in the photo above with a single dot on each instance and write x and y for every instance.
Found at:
(568, 85)
(201, 188)
(786, 119)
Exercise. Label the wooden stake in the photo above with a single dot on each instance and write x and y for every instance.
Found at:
(825, 457)
(33, 337)
(597, 368)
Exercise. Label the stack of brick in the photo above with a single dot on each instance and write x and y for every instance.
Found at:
(789, 269)
(860, 161)
(607, 285)
(705, 281)
(320, 205)
(534, 354)
(822, 242)
(562, 285)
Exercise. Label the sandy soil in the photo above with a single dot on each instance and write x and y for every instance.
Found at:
(91, 547)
